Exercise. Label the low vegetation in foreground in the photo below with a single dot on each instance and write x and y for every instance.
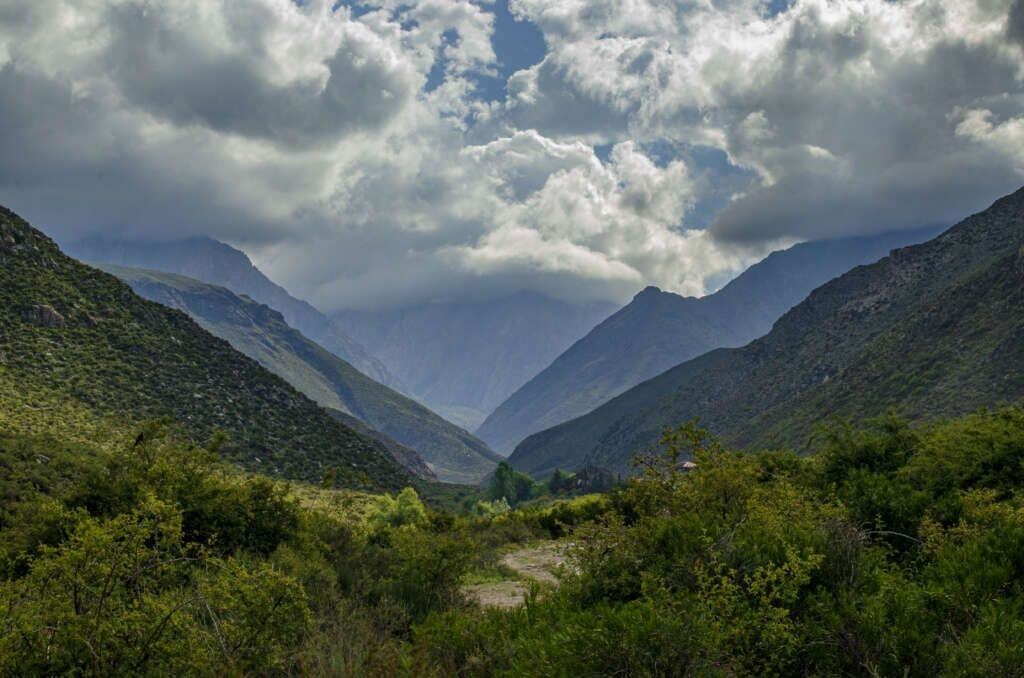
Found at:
(895, 550)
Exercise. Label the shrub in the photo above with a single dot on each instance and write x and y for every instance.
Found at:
(127, 595)
(403, 509)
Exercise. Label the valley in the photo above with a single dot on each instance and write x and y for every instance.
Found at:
(191, 485)
(463, 359)
(659, 330)
(512, 338)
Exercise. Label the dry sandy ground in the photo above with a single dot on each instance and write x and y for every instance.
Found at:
(533, 564)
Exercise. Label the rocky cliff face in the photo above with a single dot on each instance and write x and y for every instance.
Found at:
(42, 315)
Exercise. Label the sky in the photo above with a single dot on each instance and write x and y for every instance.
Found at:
(388, 152)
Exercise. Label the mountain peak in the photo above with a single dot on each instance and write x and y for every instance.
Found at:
(649, 291)
(19, 239)
(860, 345)
(660, 329)
(217, 263)
(262, 333)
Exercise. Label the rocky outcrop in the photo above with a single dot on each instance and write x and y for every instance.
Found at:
(42, 316)
(8, 246)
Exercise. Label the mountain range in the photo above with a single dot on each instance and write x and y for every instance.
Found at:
(659, 330)
(933, 329)
(262, 334)
(461, 359)
(82, 355)
(217, 263)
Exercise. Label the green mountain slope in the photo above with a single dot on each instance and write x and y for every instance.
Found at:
(659, 330)
(81, 354)
(933, 329)
(216, 263)
(262, 334)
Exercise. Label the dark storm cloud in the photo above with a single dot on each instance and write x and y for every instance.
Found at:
(812, 206)
(883, 157)
(168, 69)
(76, 169)
(1015, 22)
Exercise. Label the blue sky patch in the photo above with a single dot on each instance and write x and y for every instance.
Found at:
(516, 44)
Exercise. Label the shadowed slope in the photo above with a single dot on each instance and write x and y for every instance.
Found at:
(262, 334)
(659, 330)
(933, 329)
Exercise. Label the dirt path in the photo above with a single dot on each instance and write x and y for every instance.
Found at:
(539, 563)
(536, 563)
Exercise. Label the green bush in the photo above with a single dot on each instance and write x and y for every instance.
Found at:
(128, 596)
(403, 509)
(421, 571)
(148, 560)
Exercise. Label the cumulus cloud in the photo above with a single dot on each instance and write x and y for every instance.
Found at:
(349, 151)
(521, 211)
(844, 109)
(611, 224)
(1004, 137)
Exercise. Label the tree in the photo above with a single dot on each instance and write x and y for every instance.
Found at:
(511, 485)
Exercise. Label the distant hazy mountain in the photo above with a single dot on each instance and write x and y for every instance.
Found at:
(261, 333)
(658, 330)
(80, 353)
(218, 264)
(934, 329)
(463, 358)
